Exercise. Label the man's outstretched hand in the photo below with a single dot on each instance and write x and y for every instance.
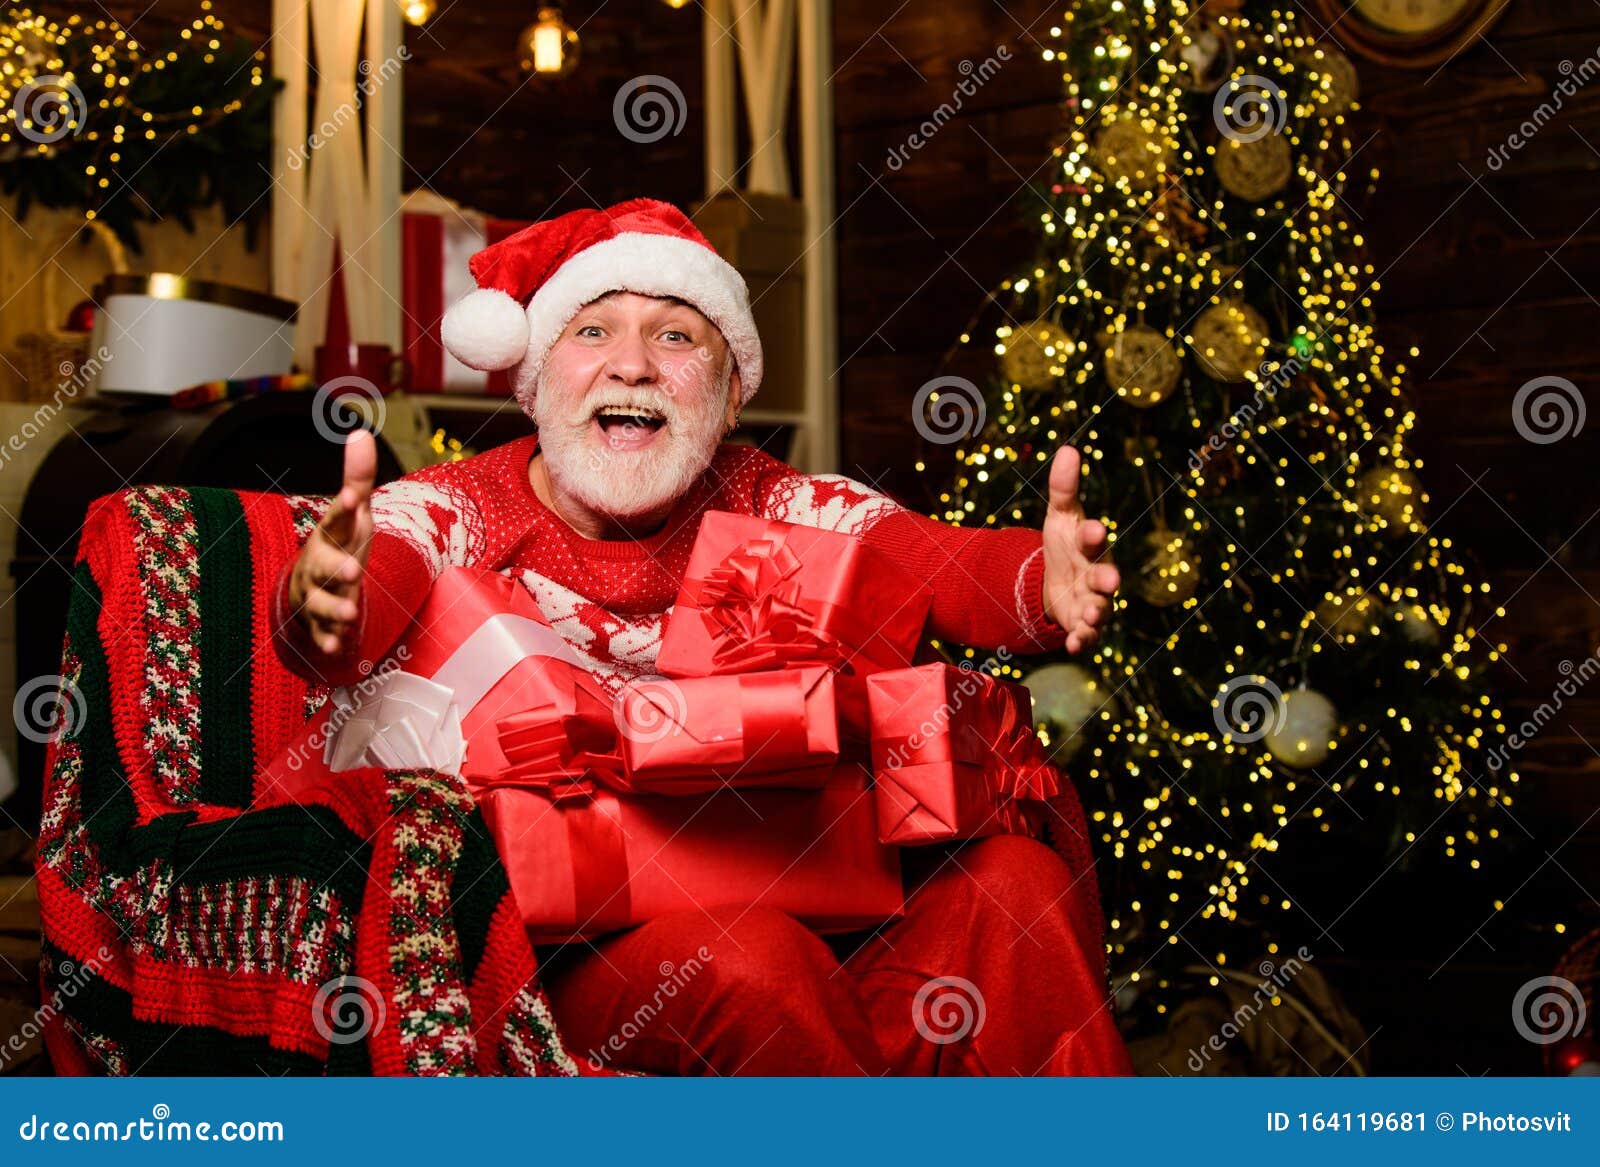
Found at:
(1077, 588)
(325, 586)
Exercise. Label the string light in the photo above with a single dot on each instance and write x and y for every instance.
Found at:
(55, 65)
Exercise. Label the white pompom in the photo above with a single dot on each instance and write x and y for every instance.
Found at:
(486, 329)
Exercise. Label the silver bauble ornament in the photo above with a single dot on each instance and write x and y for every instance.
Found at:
(1304, 730)
(1065, 698)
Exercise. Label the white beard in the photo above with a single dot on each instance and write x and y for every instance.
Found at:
(626, 483)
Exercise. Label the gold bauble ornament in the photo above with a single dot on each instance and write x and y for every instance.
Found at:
(1229, 340)
(1393, 493)
(1304, 729)
(1066, 697)
(1417, 625)
(1170, 571)
(1255, 169)
(1141, 365)
(1036, 354)
(1346, 616)
(1340, 83)
(1201, 58)
(1134, 149)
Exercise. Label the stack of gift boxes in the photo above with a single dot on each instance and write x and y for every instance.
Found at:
(788, 750)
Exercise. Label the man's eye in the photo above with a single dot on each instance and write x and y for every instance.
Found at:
(594, 328)
(676, 334)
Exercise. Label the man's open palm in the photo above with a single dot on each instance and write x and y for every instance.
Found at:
(1077, 588)
(326, 585)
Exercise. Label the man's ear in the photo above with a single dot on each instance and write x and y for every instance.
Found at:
(735, 394)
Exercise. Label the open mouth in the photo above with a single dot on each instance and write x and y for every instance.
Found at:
(628, 427)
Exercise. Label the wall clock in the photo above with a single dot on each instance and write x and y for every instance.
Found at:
(1412, 34)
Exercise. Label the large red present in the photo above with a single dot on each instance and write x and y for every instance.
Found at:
(583, 866)
(954, 755)
(762, 594)
(773, 728)
(436, 240)
(479, 685)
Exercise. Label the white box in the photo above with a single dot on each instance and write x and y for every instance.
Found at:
(160, 333)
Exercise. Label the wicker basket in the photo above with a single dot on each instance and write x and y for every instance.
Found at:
(53, 358)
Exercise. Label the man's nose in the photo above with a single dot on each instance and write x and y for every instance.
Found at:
(632, 362)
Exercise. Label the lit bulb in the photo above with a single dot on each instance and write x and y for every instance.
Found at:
(548, 46)
(417, 12)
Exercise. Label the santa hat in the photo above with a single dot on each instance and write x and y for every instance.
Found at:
(531, 285)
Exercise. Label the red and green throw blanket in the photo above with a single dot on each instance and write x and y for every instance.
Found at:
(368, 930)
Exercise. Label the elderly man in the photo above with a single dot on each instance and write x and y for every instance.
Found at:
(633, 349)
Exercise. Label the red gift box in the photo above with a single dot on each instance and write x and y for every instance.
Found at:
(762, 594)
(954, 755)
(580, 867)
(688, 736)
(528, 711)
(434, 248)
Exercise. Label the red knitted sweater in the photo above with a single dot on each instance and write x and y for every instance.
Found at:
(610, 598)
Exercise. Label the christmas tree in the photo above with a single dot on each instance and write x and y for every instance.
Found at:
(1296, 656)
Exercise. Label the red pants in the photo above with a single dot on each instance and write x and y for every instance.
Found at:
(987, 973)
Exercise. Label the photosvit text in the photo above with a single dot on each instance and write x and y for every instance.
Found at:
(1392, 1121)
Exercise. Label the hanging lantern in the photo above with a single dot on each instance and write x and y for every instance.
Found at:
(417, 12)
(548, 46)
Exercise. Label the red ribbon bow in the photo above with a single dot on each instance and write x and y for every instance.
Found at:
(754, 600)
(560, 755)
(1026, 773)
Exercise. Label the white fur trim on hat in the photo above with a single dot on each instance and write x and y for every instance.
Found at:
(651, 265)
(486, 329)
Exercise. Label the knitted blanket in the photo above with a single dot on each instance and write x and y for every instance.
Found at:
(369, 929)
